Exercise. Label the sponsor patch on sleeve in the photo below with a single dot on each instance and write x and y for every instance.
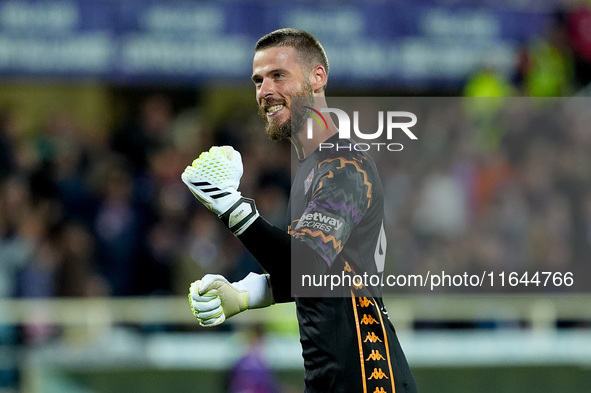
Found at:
(327, 223)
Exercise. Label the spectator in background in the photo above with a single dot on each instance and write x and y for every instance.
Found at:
(36, 236)
(205, 247)
(8, 121)
(579, 32)
(165, 217)
(545, 66)
(145, 135)
(76, 274)
(15, 247)
(251, 373)
(487, 82)
(118, 226)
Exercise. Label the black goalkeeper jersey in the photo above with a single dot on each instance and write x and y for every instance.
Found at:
(336, 206)
(337, 212)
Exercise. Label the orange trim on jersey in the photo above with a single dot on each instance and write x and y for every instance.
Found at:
(293, 224)
(318, 233)
(361, 357)
(387, 347)
(364, 173)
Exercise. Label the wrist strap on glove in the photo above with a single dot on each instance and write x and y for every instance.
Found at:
(258, 287)
(240, 215)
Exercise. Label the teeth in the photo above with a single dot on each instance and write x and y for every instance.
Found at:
(274, 108)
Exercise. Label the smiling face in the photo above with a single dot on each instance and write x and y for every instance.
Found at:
(278, 76)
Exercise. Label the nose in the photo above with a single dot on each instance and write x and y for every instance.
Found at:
(266, 88)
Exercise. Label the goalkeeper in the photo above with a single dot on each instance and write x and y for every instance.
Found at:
(336, 215)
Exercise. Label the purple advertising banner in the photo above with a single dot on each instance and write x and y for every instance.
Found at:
(376, 44)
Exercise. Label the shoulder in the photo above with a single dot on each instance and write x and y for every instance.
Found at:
(340, 151)
(333, 162)
(344, 172)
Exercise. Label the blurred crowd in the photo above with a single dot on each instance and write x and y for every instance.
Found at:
(106, 214)
(494, 185)
(491, 184)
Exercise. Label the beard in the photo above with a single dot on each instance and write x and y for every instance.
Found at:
(277, 130)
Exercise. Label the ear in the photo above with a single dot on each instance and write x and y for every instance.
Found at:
(318, 77)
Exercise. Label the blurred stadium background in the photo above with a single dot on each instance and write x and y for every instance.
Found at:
(103, 103)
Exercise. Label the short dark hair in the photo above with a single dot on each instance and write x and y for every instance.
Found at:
(309, 49)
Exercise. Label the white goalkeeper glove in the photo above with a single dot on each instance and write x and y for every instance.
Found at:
(214, 178)
(213, 299)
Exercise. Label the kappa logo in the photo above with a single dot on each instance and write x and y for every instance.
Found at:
(379, 390)
(378, 374)
(365, 302)
(371, 337)
(375, 355)
(368, 320)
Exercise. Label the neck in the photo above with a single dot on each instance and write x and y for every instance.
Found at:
(304, 146)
